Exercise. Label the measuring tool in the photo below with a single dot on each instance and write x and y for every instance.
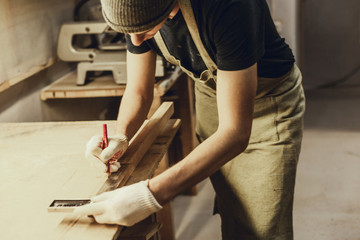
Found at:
(67, 205)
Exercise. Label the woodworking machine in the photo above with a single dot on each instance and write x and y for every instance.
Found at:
(101, 57)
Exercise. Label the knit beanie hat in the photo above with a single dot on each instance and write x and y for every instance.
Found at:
(131, 16)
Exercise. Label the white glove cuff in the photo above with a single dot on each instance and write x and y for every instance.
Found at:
(121, 137)
(147, 199)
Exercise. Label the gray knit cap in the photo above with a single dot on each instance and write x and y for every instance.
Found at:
(131, 16)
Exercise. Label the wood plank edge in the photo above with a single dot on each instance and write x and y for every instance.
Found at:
(158, 120)
(139, 146)
(154, 155)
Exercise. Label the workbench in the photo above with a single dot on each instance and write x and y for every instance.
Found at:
(43, 161)
(175, 86)
(102, 86)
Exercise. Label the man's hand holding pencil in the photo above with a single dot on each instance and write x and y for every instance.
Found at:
(107, 150)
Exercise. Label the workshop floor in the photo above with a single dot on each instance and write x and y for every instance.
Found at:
(327, 195)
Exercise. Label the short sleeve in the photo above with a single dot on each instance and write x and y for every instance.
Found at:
(144, 47)
(238, 33)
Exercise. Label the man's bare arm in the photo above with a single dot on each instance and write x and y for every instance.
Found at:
(138, 95)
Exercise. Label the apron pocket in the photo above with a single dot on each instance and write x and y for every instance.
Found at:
(264, 127)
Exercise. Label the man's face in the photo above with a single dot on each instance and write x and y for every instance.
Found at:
(138, 38)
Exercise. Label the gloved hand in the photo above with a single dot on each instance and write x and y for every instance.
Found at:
(124, 206)
(116, 148)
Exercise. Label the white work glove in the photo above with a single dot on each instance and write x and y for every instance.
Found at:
(116, 148)
(124, 206)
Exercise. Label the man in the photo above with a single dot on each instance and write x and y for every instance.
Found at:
(249, 110)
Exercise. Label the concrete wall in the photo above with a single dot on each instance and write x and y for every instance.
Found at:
(331, 42)
(325, 38)
(286, 13)
(21, 102)
(28, 35)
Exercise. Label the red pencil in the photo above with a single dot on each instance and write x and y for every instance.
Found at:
(106, 144)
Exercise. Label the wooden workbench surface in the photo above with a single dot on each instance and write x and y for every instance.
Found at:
(41, 162)
(105, 86)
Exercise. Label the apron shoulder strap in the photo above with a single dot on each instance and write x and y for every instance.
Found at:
(171, 59)
(187, 11)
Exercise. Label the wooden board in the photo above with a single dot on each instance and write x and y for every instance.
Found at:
(41, 162)
(66, 87)
(139, 146)
(149, 163)
(104, 86)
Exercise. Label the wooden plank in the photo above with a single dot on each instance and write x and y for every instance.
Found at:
(105, 86)
(140, 231)
(154, 156)
(147, 166)
(44, 161)
(184, 108)
(162, 86)
(165, 215)
(73, 227)
(66, 87)
(40, 162)
(139, 146)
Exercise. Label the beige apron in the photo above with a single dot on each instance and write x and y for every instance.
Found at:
(254, 191)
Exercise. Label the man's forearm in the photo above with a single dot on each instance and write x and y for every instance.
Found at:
(203, 161)
(138, 95)
(132, 113)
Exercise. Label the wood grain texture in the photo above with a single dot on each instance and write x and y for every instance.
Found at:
(140, 232)
(41, 162)
(104, 86)
(66, 87)
(149, 163)
(73, 227)
(139, 146)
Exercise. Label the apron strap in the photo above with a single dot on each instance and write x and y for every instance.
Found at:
(188, 14)
(171, 59)
(187, 11)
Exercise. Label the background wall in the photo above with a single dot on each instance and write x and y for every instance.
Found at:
(21, 102)
(331, 43)
(287, 16)
(324, 34)
(28, 41)
(28, 36)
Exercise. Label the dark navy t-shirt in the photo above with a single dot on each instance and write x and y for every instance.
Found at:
(236, 34)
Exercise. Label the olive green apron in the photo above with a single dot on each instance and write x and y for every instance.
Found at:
(254, 191)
